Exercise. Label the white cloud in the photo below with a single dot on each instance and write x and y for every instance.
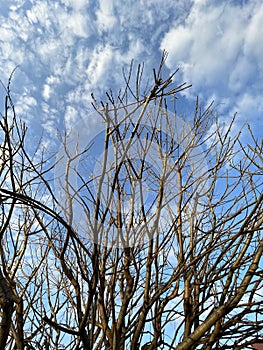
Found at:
(243, 71)
(99, 63)
(67, 49)
(71, 25)
(106, 18)
(32, 16)
(6, 33)
(46, 92)
(219, 48)
(25, 105)
(205, 43)
(253, 38)
(70, 116)
(77, 5)
(178, 42)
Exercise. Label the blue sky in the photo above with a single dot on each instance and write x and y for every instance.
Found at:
(67, 49)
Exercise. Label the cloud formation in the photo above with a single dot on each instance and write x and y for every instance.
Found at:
(219, 49)
(67, 49)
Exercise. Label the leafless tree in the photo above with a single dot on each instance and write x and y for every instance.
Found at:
(153, 241)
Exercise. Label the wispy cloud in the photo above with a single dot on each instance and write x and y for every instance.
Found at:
(66, 49)
(219, 49)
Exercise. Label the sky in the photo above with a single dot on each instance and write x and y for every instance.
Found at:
(66, 49)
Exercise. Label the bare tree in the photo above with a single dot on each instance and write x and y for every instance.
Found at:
(149, 238)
